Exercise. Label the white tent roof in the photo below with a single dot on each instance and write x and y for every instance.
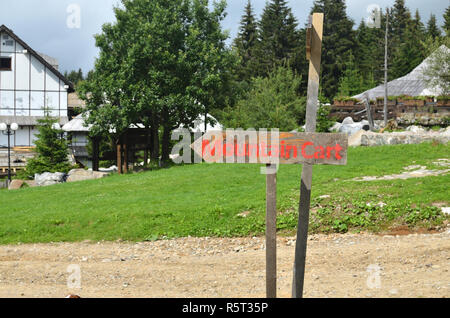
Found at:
(76, 124)
(412, 84)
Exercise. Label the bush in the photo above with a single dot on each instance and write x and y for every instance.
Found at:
(271, 102)
(324, 122)
(52, 150)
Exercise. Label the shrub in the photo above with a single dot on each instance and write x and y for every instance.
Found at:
(52, 150)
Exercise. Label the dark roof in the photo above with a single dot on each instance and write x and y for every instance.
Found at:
(3, 28)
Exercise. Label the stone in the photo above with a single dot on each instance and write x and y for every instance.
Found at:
(31, 183)
(82, 175)
(348, 121)
(396, 138)
(335, 127)
(48, 178)
(15, 185)
(352, 128)
(446, 210)
(355, 139)
(416, 129)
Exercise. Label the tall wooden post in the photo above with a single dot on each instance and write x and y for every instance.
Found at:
(119, 156)
(125, 156)
(271, 231)
(316, 33)
(386, 70)
(369, 112)
(95, 153)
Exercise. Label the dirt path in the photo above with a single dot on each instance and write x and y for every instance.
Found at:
(337, 266)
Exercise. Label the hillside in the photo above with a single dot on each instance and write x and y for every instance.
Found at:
(229, 200)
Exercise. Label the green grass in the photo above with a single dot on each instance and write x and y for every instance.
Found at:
(205, 200)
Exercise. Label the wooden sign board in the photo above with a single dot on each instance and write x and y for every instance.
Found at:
(272, 148)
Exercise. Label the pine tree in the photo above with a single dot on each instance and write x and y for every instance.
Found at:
(246, 44)
(338, 43)
(447, 21)
(410, 52)
(432, 28)
(369, 55)
(401, 17)
(278, 34)
(353, 82)
(52, 150)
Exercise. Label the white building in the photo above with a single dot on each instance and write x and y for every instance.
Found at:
(29, 82)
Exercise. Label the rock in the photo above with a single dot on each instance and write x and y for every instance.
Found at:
(352, 128)
(355, 139)
(397, 138)
(335, 127)
(31, 183)
(47, 178)
(15, 185)
(416, 129)
(348, 121)
(447, 131)
(81, 175)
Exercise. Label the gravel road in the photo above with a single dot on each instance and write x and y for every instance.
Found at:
(350, 265)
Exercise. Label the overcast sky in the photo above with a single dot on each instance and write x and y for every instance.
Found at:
(43, 23)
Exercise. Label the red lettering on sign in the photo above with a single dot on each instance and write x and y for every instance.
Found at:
(263, 150)
(288, 152)
(320, 154)
(336, 150)
(206, 147)
(306, 144)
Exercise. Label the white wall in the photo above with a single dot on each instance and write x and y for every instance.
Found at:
(27, 88)
(23, 137)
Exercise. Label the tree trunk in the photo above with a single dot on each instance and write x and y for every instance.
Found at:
(154, 132)
(119, 157)
(147, 145)
(165, 157)
(125, 156)
(95, 153)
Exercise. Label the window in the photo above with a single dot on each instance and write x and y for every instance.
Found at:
(5, 64)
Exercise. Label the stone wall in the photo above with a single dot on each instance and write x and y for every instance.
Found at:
(426, 114)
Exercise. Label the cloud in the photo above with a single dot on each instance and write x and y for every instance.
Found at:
(42, 24)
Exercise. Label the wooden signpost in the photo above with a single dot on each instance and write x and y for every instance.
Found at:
(316, 30)
(273, 148)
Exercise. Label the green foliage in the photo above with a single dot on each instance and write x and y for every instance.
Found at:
(271, 102)
(437, 70)
(338, 43)
(279, 36)
(246, 44)
(369, 54)
(352, 81)
(324, 122)
(344, 213)
(432, 28)
(74, 76)
(446, 26)
(409, 53)
(51, 148)
(161, 64)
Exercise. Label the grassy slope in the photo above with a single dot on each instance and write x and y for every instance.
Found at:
(204, 200)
